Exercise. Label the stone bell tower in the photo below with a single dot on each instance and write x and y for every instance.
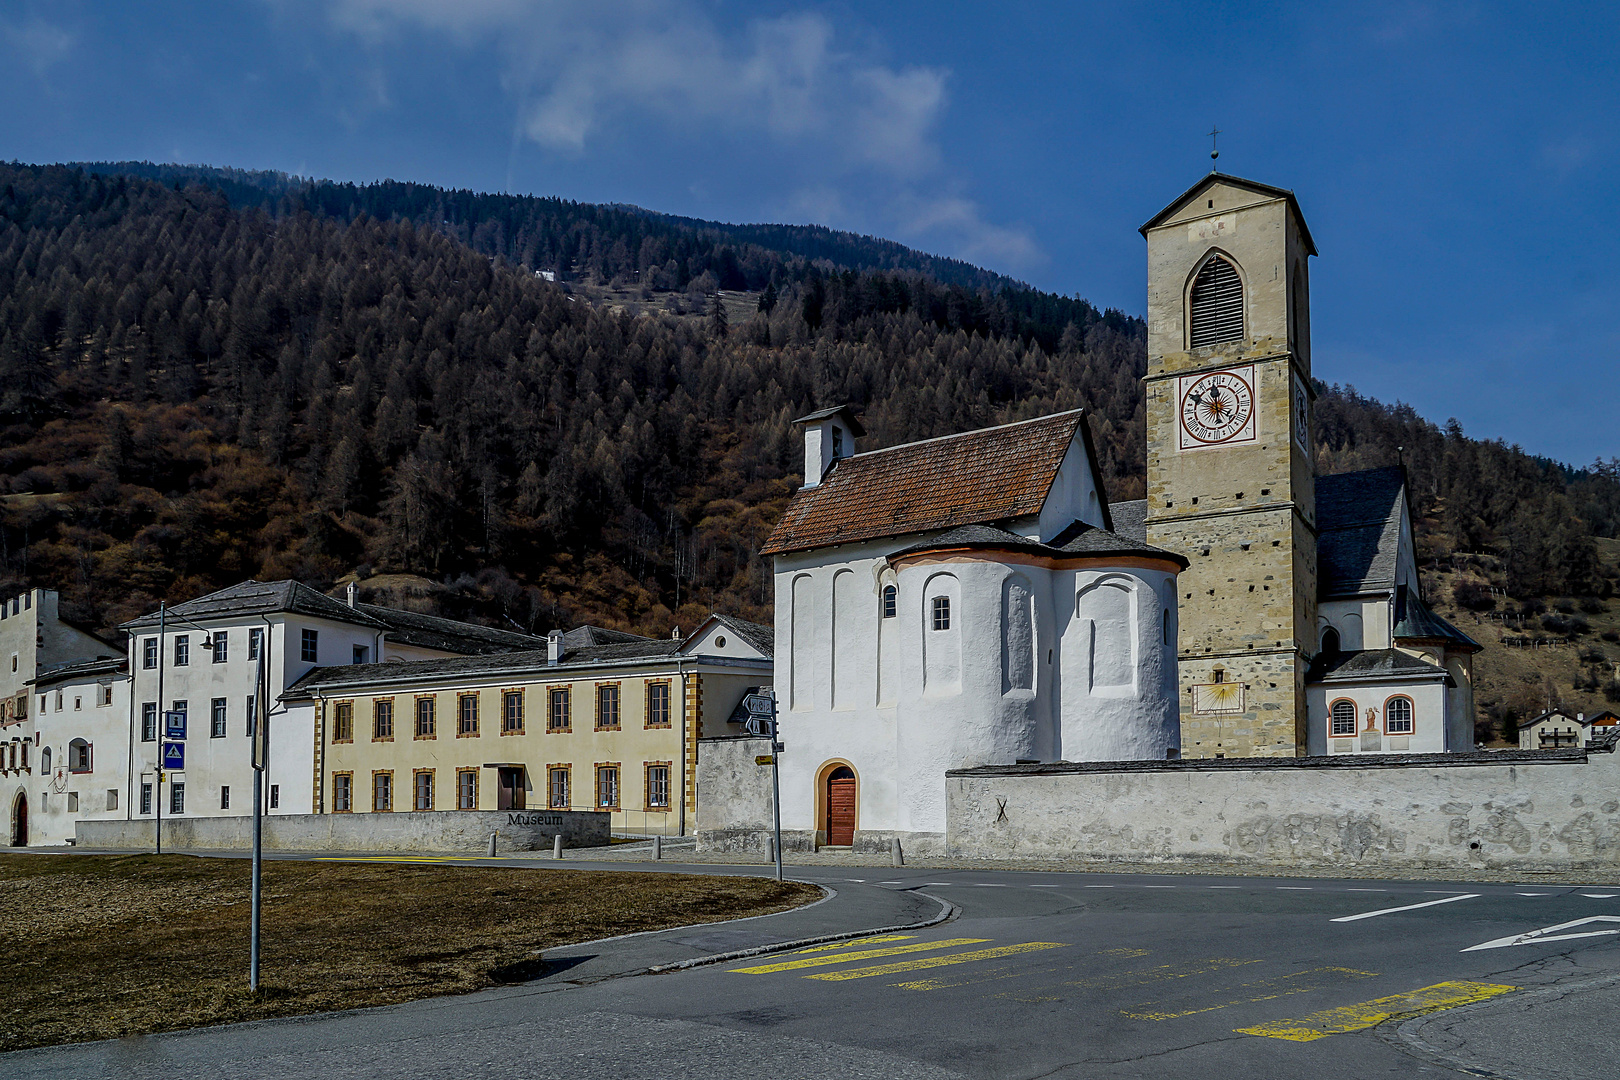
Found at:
(1230, 481)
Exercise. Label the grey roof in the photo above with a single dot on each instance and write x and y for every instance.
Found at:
(1130, 519)
(447, 635)
(760, 637)
(822, 414)
(81, 669)
(1554, 715)
(1236, 181)
(526, 661)
(1415, 622)
(1077, 539)
(1372, 665)
(1358, 525)
(581, 636)
(261, 598)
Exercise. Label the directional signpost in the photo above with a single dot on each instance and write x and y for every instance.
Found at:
(761, 707)
(174, 757)
(174, 725)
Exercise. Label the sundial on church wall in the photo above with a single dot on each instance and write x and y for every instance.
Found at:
(1216, 408)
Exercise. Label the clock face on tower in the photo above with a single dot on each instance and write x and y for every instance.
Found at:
(1217, 409)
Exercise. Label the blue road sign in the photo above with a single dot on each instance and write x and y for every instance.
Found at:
(174, 757)
(174, 725)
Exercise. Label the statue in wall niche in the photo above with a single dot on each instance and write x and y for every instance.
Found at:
(1372, 719)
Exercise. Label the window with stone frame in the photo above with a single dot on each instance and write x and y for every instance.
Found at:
(217, 718)
(423, 783)
(342, 792)
(607, 706)
(1215, 305)
(382, 791)
(427, 724)
(466, 789)
(382, 720)
(512, 712)
(343, 721)
(659, 712)
(657, 786)
(607, 786)
(559, 709)
(467, 715)
(558, 786)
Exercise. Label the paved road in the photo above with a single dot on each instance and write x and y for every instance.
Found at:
(1037, 975)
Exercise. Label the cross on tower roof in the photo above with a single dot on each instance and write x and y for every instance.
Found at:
(1214, 151)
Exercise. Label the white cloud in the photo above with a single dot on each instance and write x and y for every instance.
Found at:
(580, 75)
(40, 44)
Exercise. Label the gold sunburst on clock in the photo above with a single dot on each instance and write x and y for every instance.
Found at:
(1221, 697)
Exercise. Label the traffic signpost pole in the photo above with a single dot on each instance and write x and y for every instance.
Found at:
(260, 741)
(776, 787)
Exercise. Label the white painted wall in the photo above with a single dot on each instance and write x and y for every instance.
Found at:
(79, 715)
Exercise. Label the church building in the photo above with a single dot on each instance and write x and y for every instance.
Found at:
(1303, 625)
(960, 601)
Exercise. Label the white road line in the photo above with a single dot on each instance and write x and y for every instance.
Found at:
(1598, 895)
(891, 883)
(1099, 886)
(1532, 894)
(1226, 886)
(1549, 933)
(1046, 886)
(1295, 888)
(1366, 890)
(1408, 907)
(989, 885)
(1158, 886)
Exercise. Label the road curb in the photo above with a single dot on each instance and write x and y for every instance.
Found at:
(1405, 1034)
(947, 911)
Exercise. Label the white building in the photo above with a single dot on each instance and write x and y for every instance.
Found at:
(1389, 675)
(81, 722)
(208, 661)
(956, 602)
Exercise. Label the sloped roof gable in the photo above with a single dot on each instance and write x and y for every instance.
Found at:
(994, 474)
(1358, 525)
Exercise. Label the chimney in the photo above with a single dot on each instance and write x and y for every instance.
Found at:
(353, 590)
(554, 648)
(829, 434)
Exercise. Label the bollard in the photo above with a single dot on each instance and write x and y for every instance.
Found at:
(658, 847)
(895, 854)
(556, 847)
(492, 837)
(770, 849)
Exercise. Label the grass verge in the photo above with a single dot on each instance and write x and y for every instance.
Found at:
(104, 946)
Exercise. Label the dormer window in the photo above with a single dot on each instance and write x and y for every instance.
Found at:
(1215, 308)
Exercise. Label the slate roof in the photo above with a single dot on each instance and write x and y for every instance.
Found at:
(1130, 519)
(262, 598)
(993, 474)
(80, 669)
(1415, 622)
(760, 637)
(1078, 539)
(1358, 526)
(581, 636)
(1555, 715)
(1235, 181)
(447, 635)
(1372, 665)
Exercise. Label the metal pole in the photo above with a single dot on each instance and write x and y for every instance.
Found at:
(776, 788)
(163, 614)
(258, 869)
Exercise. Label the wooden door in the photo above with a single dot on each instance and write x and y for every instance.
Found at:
(19, 832)
(841, 807)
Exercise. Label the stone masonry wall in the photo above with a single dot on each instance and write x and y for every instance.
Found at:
(1550, 811)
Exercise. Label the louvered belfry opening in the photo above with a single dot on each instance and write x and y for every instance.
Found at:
(1217, 304)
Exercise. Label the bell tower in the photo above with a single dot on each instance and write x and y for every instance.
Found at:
(1230, 479)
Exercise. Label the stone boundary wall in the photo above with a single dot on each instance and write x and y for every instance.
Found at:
(425, 830)
(1541, 811)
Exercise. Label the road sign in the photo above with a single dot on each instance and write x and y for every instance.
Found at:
(174, 756)
(174, 725)
(760, 704)
(764, 759)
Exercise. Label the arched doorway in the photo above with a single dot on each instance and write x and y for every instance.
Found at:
(841, 807)
(19, 821)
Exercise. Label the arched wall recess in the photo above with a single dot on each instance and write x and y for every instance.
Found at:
(1107, 613)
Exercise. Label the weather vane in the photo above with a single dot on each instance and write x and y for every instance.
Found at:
(1214, 151)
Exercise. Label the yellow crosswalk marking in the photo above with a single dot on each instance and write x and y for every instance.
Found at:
(1446, 995)
(865, 954)
(855, 943)
(1112, 981)
(1300, 982)
(938, 961)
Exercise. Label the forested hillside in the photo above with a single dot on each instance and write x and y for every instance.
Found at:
(194, 392)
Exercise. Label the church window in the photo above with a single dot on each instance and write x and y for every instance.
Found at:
(1344, 718)
(942, 613)
(1330, 640)
(1398, 716)
(1216, 304)
(890, 602)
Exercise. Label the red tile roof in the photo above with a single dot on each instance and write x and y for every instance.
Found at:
(978, 476)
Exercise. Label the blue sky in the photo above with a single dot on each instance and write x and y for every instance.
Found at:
(1449, 157)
